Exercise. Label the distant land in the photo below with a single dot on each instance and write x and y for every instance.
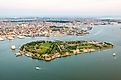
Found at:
(49, 26)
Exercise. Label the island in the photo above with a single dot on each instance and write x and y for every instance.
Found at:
(49, 50)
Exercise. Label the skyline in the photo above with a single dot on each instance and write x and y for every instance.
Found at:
(59, 8)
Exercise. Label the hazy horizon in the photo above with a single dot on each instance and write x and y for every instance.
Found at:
(60, 8)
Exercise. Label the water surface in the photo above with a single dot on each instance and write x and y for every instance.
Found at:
(100, 65)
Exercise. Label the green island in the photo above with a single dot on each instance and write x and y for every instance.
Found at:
(49, 50)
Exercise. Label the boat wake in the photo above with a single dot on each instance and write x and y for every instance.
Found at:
(91, 35)
(97, 33)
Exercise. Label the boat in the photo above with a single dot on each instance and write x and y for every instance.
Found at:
(1, 39)
(114, 54)
(18, 54)
(27, 55)
(21, 37)
(37, 68)
(13, 47)
(10, 38)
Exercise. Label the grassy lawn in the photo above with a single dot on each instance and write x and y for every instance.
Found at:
(46, 44)
(41, 51)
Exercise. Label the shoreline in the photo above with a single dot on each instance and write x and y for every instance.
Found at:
(52, 56)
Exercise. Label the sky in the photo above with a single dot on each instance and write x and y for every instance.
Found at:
(38, 8)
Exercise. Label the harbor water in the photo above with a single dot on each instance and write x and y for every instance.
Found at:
(100, 65)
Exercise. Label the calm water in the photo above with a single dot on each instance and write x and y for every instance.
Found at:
(99, 65)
